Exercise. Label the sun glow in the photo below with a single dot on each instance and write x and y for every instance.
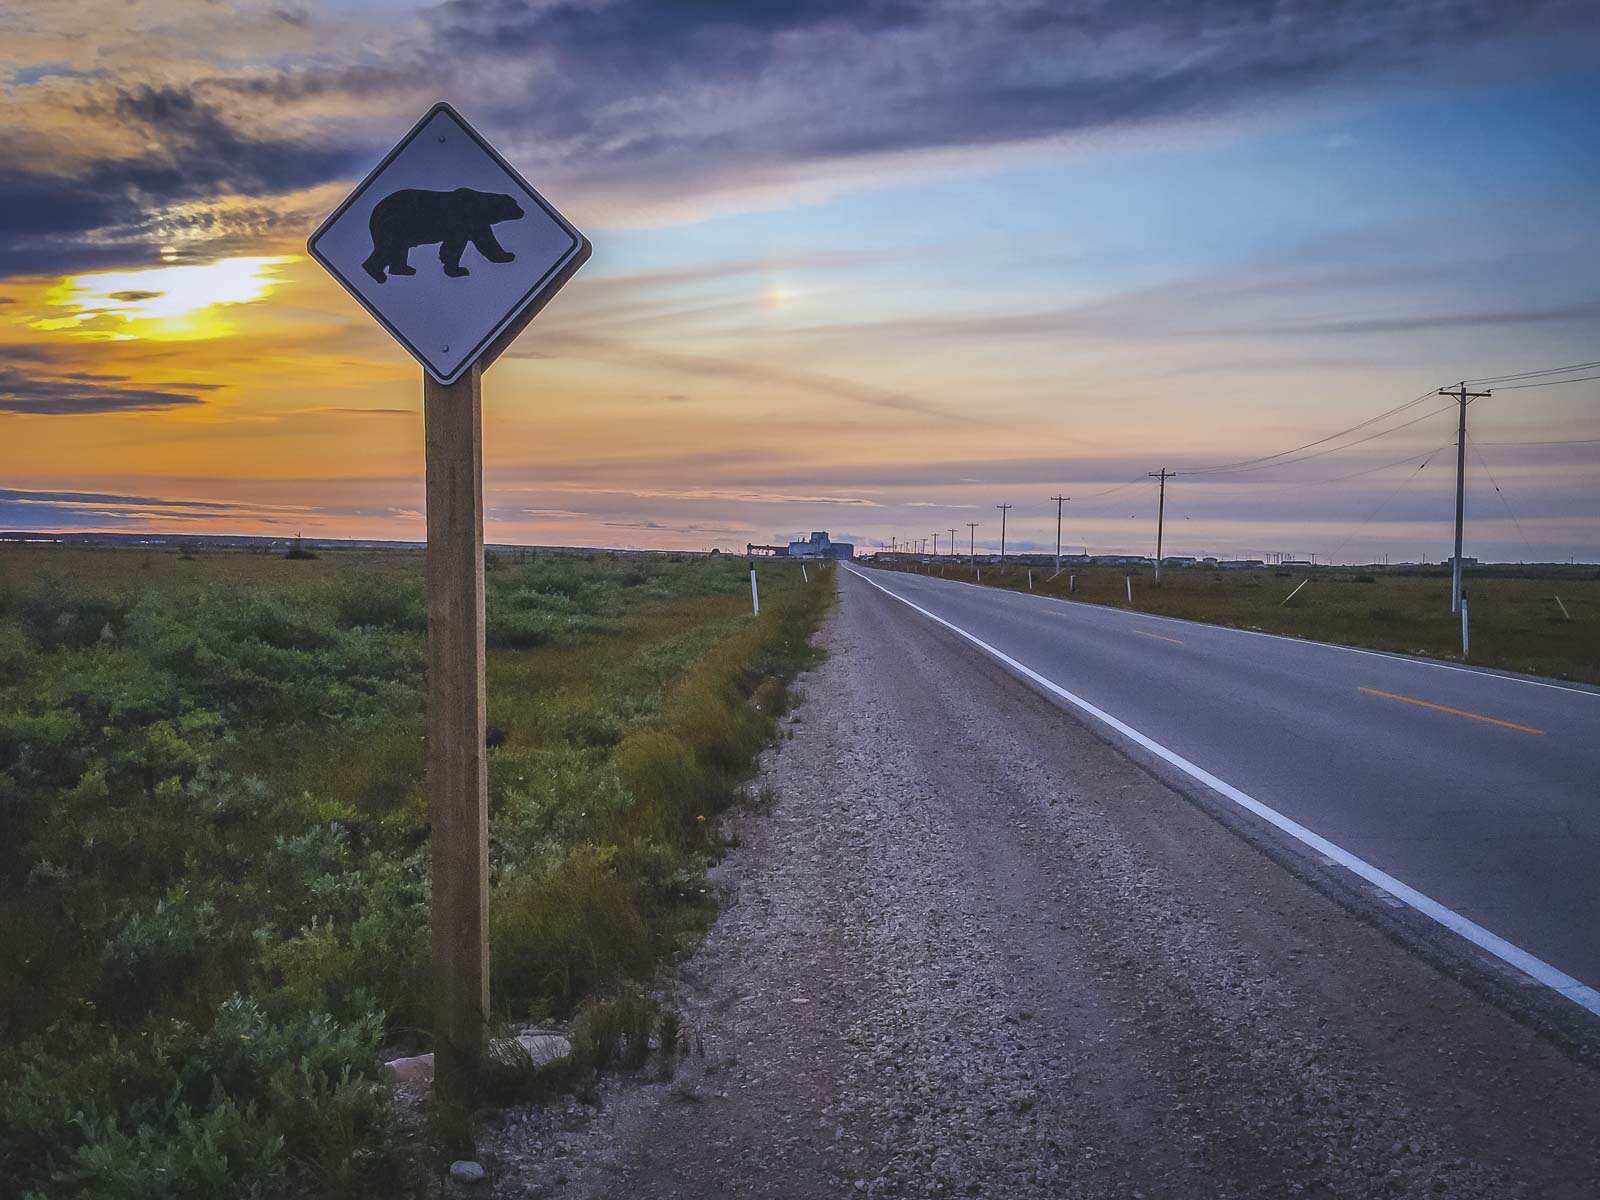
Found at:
(181, 303)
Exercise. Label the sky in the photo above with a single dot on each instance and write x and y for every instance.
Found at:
(872, 267)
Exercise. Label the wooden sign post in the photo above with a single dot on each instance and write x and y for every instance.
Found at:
(504, 251)
(458, 791)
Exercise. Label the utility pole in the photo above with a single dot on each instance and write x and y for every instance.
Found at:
(1161, 513)
(972, 541)
(1462, 396)
(1003, 508)
(1058, 500)
(936, 545)
(952, 542)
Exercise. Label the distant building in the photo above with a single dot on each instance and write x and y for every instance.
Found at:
(820, 545)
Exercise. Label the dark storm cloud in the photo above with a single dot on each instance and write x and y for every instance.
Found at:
(643, 100)
(103, 212)
(202, 154)
(720, 87)
(77, 393)
(643, 34)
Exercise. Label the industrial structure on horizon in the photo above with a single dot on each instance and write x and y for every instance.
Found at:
(818, 545)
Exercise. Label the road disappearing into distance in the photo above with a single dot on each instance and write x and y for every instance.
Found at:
(1472, 797)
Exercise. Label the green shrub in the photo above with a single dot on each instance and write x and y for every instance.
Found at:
(567, 931)
(153, 951)
(367, 601)
(245, 1107)
(614, 1029)
(517, 630)
(15, 652)
(221, 791)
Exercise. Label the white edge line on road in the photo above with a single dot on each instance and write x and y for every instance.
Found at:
(1535, 968)
(1409, 659)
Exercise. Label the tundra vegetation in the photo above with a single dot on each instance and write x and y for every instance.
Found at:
(214, 839)
(1544, 620)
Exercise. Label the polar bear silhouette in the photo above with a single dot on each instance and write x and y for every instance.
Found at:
(413, 217)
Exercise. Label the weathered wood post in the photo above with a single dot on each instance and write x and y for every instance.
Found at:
(457, 771)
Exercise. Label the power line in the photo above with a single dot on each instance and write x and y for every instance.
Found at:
(1507, 387)
(1263, 465)
(1267, 458)
(1284, 457)
(1557, 442)
(1588, 366)
(1257, 489)
(1473, 442)
(1111, 491)
(1385, 504)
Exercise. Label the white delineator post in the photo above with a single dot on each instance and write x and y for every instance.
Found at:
(806, 578)
(755, 594)
(1463, 625)
(1128, 579)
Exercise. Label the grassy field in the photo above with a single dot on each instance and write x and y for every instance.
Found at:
(1516, 622)
(214, 837)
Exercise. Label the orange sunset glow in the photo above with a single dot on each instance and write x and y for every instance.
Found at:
(794, 320)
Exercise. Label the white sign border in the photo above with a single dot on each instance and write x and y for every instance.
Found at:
(562, 269)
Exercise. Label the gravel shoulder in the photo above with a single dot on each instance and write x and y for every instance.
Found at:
(974, 950)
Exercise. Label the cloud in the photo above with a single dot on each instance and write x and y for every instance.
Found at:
(80, 392)
(609, 350)
(732, 495)
(693, 527)
(110, 499)
(721, 93)
(639, 106)
(1409, 324)
(46, 509)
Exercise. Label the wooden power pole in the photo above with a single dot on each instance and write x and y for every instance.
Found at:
(1161, 513)
(1462, 396)
(1058, 500)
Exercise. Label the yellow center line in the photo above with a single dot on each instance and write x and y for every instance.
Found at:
(1453, 711)
(1157, 636)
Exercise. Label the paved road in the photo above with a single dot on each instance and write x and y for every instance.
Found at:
(970, 949)
(1479, 790)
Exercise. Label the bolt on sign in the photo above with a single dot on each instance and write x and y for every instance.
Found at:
(454, 253)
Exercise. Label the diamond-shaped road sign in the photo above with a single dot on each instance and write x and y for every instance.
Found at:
(447, 246)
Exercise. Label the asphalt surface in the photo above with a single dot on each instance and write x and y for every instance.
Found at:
(1492, 809)
(969, 948)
